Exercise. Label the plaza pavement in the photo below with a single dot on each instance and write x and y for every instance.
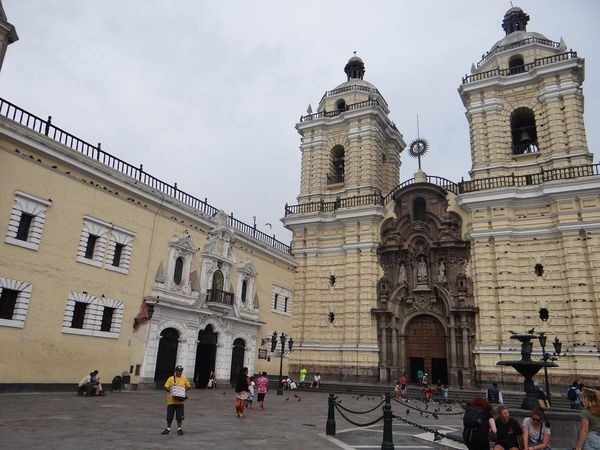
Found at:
(135, 419)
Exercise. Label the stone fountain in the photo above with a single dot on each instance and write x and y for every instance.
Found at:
(527, 368)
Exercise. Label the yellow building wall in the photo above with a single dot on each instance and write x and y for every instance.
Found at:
(42, 352)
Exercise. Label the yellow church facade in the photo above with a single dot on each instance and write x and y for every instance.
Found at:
(434, 274)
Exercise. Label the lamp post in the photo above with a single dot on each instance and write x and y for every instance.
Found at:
(282, 338)
(546, 356)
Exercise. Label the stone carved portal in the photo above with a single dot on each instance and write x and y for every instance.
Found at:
(425, 312)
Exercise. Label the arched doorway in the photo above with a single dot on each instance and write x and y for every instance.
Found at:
(167, 356)
(426, 348)
(237, 359)
(206, 355)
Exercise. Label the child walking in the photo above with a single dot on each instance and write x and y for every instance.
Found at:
(250, 393)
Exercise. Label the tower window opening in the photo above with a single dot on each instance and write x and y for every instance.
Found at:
(516, 65)
(539, 270)
(336, 165)
(340, 105)
(419, 209)
(523, 131)
(178, 272)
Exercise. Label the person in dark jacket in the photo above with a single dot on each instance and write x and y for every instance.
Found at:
(477, 424)
(241, 392)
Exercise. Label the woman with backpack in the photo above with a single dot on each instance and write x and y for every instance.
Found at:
(536, 430)
(477, 424)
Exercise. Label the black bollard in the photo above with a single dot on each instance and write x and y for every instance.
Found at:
(330, 426)
(388, 440)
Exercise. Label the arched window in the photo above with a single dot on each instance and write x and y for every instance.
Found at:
(218, 280)
(340, 105)
(336, 169)
(523, 131)
(516, 65)
(178, 270)
(419, 209)
(244, 290)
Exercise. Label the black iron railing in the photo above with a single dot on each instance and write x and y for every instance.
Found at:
(525, 68)
(354, 87)
(521, 43)
(321, 114)
(45, 127)
(563, 173)
(218, 296)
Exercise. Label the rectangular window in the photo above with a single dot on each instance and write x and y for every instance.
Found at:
(91, 245)
(137, 369)
(24, 226)
(8, 301)
(78, 315)
(275, 304)
(285, 304)
(107, 316)
(117, 256)
(130, 369)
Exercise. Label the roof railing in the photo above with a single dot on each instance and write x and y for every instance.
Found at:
(525, 68)
(501, 48)
(45, 127)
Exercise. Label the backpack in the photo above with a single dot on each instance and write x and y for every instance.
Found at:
(571, 395)
(473, 418)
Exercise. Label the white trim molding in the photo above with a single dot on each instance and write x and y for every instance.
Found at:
(22, 303)
(93, 315)
(33, 206)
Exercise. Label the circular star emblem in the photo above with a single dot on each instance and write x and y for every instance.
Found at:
(418, 147)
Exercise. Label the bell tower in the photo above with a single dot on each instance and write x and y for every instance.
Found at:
(525, 104)
(350, 158)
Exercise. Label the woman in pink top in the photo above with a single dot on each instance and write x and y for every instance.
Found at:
(262, 386)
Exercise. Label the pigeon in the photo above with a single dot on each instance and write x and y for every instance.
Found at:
(299, 398)
(435, 416)
(224, 393)
(407, 411)
(531, 331)
(287, 399)
(437, 436)
(296, 395)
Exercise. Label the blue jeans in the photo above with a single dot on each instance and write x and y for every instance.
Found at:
(592, 442)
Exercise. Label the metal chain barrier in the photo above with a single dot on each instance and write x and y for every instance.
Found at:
(434, 413)
(339, 405)
(437, 436)
(355, 423)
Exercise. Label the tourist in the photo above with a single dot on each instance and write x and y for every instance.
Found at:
(403, 383)
(494, 394)
(303, 373)
(250, 393)
(477, 424)
(262, 387)
(397, 391)
(445, 393)
(428, 393)
(212, 380)
(176, 385)
(589, 428)
(425, 379)
(508, 432)
(90, 385)
(316, 382)
(536, 430)
(573, 395)
(241, 392)
(420, 376)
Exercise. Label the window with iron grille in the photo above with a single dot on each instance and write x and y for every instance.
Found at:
(90, 246)
(24, 226)
(26, 222)
(8, 302)
(107, 317)
(78, 314)
(117, 256)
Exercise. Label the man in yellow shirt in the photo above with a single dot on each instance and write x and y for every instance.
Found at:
(175, 404)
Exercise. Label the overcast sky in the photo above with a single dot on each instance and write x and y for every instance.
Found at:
(207, 93)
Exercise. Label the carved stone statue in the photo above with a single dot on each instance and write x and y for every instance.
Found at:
(422, 276)
(441, 276)
(402, 274)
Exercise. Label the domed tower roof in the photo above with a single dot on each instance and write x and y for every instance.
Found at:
(355, 68)
(515, 20)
